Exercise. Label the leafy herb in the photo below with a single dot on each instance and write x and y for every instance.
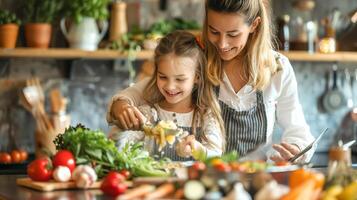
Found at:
(93, 147)
(227, 157)
(7, 17)
(42, 11)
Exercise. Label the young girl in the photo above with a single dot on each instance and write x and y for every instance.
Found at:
(179, 91)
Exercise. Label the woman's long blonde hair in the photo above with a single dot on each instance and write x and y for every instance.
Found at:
(259, 62)
(185, 44)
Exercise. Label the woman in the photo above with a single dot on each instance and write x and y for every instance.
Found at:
(256, 86)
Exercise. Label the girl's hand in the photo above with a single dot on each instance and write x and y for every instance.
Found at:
(191, 147)
(183, 146)
(286, 151)
(127, 116)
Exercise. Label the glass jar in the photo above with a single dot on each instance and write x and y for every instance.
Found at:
(339, 166)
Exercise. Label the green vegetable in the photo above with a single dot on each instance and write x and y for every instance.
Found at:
(227, 157)
(7, 17)
(42, 11)
(93, 147)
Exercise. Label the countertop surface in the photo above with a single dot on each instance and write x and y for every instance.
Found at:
(9, 190)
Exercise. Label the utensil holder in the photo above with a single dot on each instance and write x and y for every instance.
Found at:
(44, 145)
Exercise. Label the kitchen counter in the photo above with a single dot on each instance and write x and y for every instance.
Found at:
(9, 190)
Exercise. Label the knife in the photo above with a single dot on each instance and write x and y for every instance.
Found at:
(310, 146)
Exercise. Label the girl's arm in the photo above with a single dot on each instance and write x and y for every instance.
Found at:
(190, 146)
(211, 128)
(122, 110)
(290, 116)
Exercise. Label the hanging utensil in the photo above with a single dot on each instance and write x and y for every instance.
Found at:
(334, 99)
(310, 146)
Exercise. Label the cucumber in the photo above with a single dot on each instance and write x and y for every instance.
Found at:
(146, 170)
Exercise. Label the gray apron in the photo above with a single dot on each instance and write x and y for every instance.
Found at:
(169, 151)
(245, 130)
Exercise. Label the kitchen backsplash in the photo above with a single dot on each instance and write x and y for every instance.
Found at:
(89, 84)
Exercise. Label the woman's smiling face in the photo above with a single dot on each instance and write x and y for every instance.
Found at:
(228, 32)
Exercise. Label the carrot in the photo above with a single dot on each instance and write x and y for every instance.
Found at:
(137, 192)
(179, 194)
(162, 191)
(303, 191)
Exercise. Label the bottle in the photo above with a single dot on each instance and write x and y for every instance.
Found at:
(118, 25)
(328, 43)
(284, 32)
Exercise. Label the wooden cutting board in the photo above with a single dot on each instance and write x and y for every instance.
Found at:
(51, 185)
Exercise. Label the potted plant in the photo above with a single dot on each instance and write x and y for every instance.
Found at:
(83, 32)
(9, 28)
(40, 14)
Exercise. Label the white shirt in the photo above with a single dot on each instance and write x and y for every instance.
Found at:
(280, 98)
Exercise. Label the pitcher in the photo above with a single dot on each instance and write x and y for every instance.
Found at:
(84, 35)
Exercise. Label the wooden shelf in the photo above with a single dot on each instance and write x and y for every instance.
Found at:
(66, 53)
(342, 56)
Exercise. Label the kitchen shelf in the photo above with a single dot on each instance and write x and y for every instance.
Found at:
(66, 53)
(341, 56)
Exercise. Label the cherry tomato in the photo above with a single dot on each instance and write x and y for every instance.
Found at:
(115, 175)
(126, 173)
(222, 167)
(113, 184)
(282, 163)
(200, 166)
(40, 169)
(23, 154)
(5, 158)
(15, 156)
(64, 158)
(216, 161)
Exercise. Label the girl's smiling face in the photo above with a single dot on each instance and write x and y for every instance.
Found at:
(175, 79)
(228, 32)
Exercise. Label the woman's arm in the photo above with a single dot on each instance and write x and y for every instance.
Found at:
(290, 116)
(122, 110)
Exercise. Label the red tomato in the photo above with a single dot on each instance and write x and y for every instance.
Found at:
(24, 155)
(115, 175)
(282, 163)
(222, 167)
(64, 158)
(126, 173)
(5, 158)
(113, 184)
(200, 166)
(235, 166)
(40, 169)
(16, 156)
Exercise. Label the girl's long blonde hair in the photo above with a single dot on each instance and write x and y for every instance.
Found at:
(259, 62)
(184, 44)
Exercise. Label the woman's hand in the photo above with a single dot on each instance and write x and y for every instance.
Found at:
(286, 151)
(127, 116)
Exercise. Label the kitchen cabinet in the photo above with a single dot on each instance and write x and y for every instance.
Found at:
(65, 53)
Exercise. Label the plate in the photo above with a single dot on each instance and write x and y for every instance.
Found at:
(286, 168)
